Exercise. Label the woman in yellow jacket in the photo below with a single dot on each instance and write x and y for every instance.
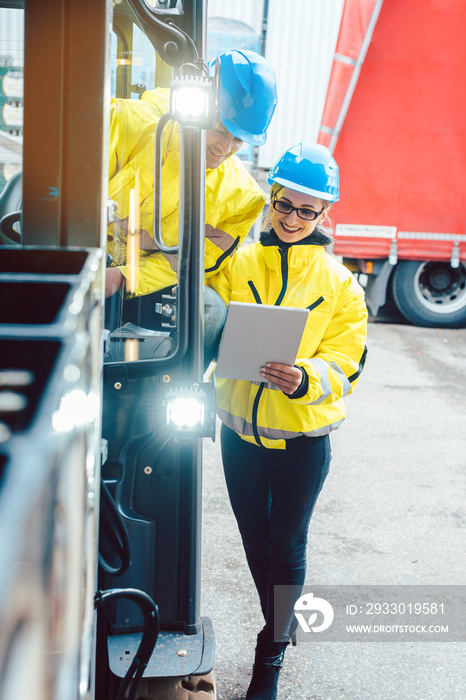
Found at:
(275, 433)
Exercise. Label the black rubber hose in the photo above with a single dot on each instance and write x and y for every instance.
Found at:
(114, 528)
(150, 634)
(6, 226)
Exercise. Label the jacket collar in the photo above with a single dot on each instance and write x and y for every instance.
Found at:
(302, 254)
(317, 237)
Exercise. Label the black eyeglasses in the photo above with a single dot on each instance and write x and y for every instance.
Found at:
(303, 213)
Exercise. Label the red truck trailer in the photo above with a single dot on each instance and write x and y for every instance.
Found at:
(395, 119)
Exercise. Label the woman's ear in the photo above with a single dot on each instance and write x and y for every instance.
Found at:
(323, 216)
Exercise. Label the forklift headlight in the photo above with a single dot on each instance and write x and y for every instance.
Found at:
(185, 413)
(191, 410)
(193, 100)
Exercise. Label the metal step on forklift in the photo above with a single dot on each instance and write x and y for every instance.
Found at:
(101, 419)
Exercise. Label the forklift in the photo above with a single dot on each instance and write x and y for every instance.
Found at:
(101, 424)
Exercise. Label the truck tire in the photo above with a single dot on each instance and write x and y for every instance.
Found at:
(179, 688)
(431, 294)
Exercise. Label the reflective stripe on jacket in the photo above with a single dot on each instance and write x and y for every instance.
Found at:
(233, 203)
(332, 351)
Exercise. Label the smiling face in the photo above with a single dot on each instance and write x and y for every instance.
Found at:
(290, 227)
(220, 145)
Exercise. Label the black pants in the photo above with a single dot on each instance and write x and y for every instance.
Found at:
(273, 494)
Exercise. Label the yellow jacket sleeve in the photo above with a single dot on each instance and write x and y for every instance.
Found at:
(334, 369)
(233, 200)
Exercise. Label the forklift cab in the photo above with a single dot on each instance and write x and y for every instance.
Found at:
(153, 363)
(147, 359)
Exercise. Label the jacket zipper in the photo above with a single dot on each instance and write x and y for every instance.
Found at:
(255, 409)
(255, 406)
(224, 255)
(284, 270)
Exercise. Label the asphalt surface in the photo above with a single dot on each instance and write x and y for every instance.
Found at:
(392, 512)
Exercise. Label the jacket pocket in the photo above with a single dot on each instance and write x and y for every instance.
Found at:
(315, 303)
(223, 256)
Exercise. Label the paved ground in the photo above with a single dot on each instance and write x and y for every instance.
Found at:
(391, 512)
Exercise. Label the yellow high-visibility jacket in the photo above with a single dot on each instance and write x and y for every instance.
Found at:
(332, 351)
(233, 199)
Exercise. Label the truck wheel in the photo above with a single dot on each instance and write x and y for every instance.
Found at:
(431, 294)
(185, 688)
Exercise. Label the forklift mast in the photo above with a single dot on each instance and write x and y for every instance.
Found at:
(100, 492)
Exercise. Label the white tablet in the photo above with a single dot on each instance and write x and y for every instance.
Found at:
(255, 334)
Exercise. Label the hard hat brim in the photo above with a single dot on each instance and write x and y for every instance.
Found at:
(246, 136)
(305, 190)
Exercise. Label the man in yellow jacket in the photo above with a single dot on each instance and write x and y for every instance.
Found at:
(233, 199)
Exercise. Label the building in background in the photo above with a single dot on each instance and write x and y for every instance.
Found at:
(298, 38)
(11, 93)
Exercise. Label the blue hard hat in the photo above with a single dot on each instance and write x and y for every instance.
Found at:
(308, 168)
(248, 95)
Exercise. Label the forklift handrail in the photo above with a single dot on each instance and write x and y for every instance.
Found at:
(157, 220)
(141, 368)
